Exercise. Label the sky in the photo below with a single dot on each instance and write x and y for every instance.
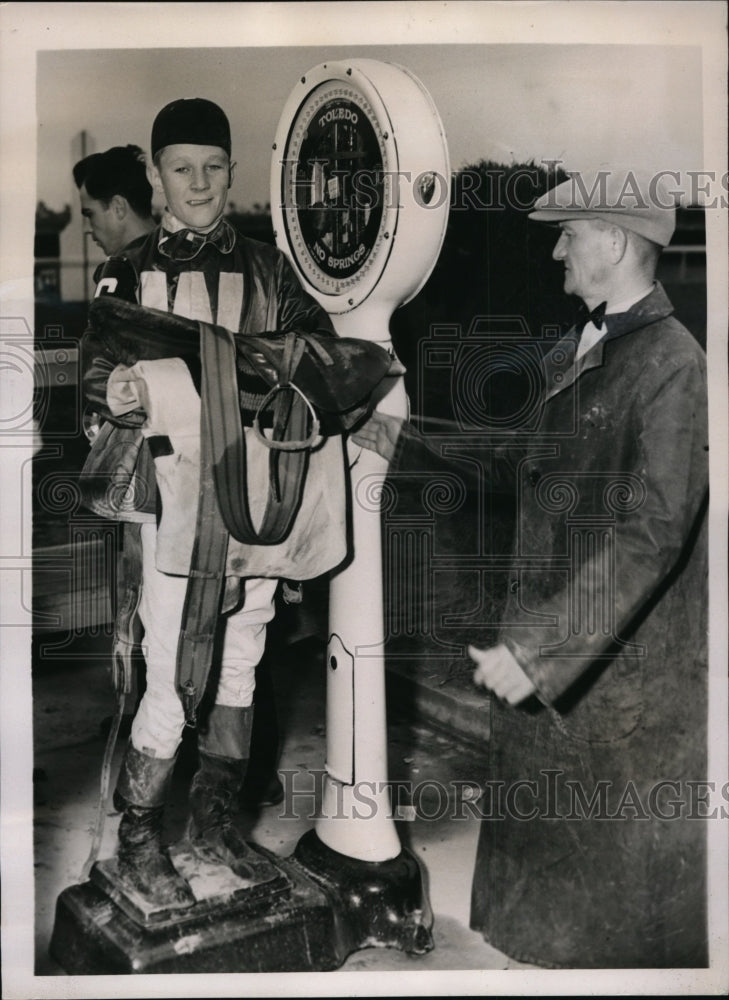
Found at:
(582, 104)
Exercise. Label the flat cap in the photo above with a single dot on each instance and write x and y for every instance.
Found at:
(632, 199)
(191, 121)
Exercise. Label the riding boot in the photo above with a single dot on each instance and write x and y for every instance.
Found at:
(223, 754)
(261, 784)
(141, 860)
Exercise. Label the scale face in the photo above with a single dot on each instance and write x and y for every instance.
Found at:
(336, 187)
(359, 189)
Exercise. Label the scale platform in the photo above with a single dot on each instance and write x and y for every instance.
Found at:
(307, 912)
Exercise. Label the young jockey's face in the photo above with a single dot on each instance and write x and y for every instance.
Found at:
(194, 181)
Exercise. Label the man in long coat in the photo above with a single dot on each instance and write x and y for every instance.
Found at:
(592, 846)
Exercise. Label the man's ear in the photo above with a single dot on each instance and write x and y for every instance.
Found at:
(618, 243)
(231, 174)
(119, 206)
(155, 178)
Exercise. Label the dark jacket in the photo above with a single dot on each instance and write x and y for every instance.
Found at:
(258, 292)
(611, 491)
(606, 613)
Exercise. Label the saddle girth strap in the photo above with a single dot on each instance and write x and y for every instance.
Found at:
(206, 577)
(223, 501)
(287, 463)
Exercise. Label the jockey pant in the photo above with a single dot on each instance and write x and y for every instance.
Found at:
(159, 722)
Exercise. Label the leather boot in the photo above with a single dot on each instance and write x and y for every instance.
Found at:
(223, 754)
(141, 860)
(261, 784)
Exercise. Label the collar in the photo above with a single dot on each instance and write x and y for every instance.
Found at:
(561, 369)
(653, 306)
(624, 304)
(185, 244)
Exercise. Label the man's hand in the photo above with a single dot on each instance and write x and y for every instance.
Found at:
(379, 433)
(498, 670)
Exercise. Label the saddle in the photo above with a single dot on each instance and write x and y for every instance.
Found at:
(291, 388)
(305, 383)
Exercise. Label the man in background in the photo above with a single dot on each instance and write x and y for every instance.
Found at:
(116, 197)
(116, 202)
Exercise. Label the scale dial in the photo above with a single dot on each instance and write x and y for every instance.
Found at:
(360, 183)
(336, 189)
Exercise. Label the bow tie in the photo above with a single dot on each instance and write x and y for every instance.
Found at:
(585, 316)
(186, 244)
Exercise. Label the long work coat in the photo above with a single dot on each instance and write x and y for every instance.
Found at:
(592, 849)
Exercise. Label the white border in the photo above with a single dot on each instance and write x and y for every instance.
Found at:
(28, 28)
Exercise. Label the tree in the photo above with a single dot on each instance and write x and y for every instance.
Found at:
(494, 263)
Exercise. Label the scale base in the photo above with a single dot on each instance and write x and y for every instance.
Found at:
(315, 909)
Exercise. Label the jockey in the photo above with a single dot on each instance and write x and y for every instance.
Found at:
(192, 264)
